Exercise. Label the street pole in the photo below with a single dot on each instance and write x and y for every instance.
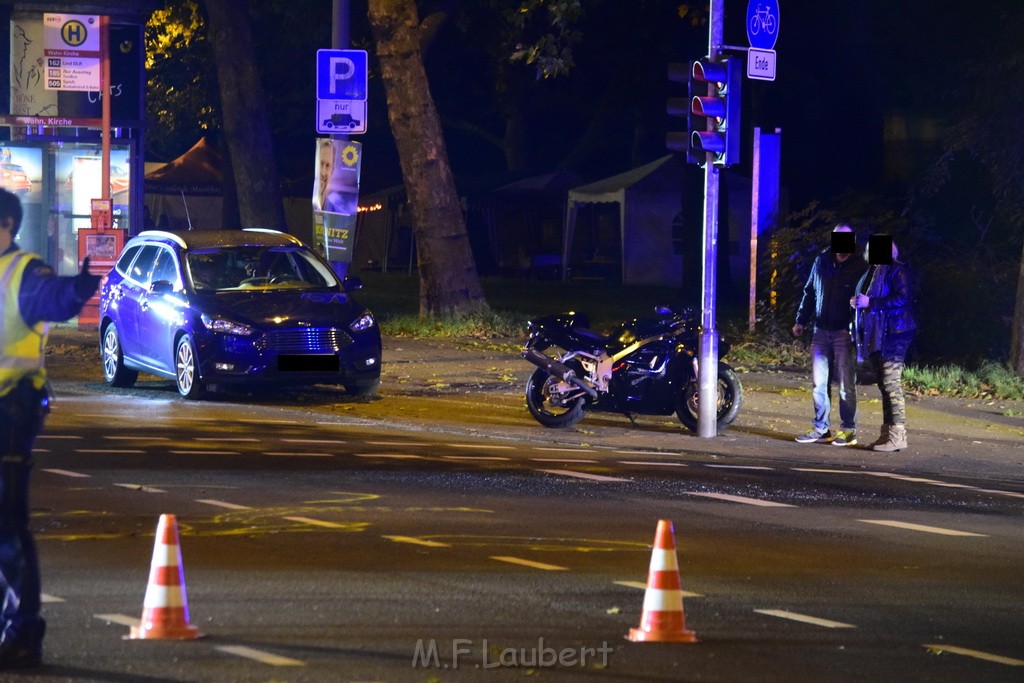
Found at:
(341, 39)
(707, 351)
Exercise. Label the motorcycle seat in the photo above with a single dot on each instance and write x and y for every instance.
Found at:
(588, 335)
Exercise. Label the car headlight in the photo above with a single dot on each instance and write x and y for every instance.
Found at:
(363, 322)
(226, 326)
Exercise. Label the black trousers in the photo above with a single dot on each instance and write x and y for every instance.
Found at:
(21, 418)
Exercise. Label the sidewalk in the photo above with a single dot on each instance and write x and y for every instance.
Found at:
(475, 389)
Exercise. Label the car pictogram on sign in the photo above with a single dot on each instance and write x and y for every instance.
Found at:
(341, 121)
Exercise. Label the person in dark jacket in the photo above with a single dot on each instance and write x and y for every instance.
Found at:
(885, 328)
(826, 301)
(30, 294)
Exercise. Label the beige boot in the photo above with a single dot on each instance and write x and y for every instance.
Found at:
(882, 438)
(897, 440)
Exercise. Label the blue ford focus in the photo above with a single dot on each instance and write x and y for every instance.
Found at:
(211, 309)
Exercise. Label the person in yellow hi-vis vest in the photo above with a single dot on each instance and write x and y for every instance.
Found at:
(31, 295)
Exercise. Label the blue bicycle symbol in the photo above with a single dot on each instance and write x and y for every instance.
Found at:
(763, 18)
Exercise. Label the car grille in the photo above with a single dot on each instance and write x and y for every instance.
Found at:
(311, 340)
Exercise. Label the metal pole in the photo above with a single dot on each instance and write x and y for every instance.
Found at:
(105, 106)
(707, 377)
(340, 40)
(755, 221)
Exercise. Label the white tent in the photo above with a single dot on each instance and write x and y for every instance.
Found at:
(648, 198)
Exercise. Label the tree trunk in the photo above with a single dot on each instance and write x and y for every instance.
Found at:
(448, 279)
(1017, 333)
(244, 110)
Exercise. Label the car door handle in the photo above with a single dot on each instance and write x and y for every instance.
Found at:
(144, 304)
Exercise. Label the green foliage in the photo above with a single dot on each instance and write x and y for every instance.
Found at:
(991, 380)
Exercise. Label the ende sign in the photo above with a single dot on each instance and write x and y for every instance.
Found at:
(762, 32)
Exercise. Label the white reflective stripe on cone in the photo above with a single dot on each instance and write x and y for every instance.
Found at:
(165, 555)
(163, 596)
(664, 560)
(658, 600)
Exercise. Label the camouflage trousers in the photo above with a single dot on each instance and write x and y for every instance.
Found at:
(889, 372)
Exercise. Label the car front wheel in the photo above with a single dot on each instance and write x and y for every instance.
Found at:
(187, 369)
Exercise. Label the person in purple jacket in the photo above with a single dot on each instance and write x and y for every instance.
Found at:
(31, 295)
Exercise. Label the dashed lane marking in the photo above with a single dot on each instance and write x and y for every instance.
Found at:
(394, 456)
(304, 455)
(739, 467)
(397, 443)
(318, 522)
(109, 451)
(66, 473)
(47, 598)
(269, 422)
(583, 460)
(920, 527)
(977, 654)
(223, 504)
(138, 438)
(584, 475)
(740, 499)
(655, 464)
(529, 563)
(122, 619)
(58, 436)
(643, 586)
(474, 457)
(483, 447)
(814, 469)
(258, 655)
(198, 452)
(804, 618)
(141, 487)
(330, 441)
(40, 450)
(1013, 494)
(564, 450)
(227, 438)
(417, 541)
(919, 480)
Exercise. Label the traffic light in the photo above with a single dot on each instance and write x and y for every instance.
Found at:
(677, 106)
(721, 108)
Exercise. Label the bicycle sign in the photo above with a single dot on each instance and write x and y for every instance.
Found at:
(763, 23)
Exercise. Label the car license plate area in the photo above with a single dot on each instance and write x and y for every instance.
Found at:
(307, 362)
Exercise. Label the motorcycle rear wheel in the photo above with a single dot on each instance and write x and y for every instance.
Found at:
(730, 399)
(537, 400)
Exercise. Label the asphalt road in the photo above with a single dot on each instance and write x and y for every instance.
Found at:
(322, 542)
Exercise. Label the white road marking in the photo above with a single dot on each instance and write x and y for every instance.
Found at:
(564, 450)
(317, 522)
(814, 469)
(739, 467)
(397, 443)
(584, 475)
(222, 504)
(332, 441)
(66, 473)
(137, 438)
(140, 487)
(109, 451)
(583, 460)
(474, 457)
(40, 450)
(395, 456)
(977, 654)
(529, 563)
(122, 619)
(226, 438)
(258, 655)
(636, 452)
(654, 463)
(58, 436)
(793, 616)
(741, 499)
(306, 455)
(1014, 494)
(491, 447)
(920, 527)
(930, 482)
(417, 541)
(198, 452)
(643, 586)
(269, 422)
(47, 598)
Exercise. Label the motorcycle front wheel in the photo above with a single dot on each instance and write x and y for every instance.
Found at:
(730, 399)
(538, 400)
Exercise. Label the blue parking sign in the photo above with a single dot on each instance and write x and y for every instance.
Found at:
(341, 74)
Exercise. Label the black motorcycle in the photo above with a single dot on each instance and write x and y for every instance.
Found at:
(645, 366)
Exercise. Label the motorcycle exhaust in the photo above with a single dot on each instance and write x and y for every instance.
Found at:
(559, 370)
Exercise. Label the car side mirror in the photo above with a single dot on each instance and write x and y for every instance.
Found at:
(161, 287)
(351, 283)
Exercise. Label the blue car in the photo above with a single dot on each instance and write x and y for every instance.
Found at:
(217, 308)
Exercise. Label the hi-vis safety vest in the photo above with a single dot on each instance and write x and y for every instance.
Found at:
(22, 348)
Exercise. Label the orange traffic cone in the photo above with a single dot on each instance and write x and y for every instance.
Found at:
(662, 620)
(165, 609)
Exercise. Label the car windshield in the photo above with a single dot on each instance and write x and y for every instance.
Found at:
(266, 268)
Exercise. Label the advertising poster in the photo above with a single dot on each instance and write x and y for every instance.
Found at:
(336, 197)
